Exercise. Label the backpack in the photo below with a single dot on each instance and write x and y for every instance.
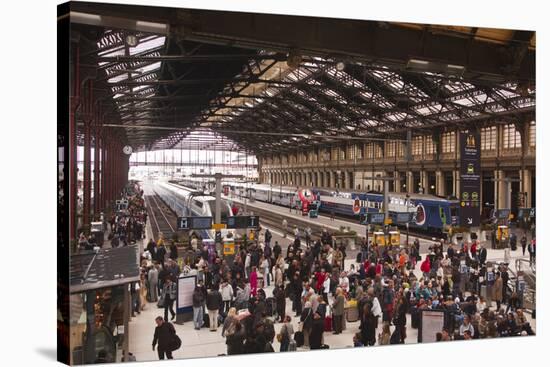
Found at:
(175, 343)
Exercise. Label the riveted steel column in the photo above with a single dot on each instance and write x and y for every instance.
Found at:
(87, 182)
(72, 176)
(97, 185)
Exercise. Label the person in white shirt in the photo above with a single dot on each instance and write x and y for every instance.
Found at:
(466, 325)
(481, 304)
(247, 265)
(326, 288)
(344, 282)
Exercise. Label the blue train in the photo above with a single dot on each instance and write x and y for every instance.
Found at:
(429, 213)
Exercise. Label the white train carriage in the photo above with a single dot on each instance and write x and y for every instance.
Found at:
(186, 202)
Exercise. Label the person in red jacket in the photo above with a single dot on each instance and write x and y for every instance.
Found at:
(320, 276)
(426, 267)
(379, 268)
(473, 250)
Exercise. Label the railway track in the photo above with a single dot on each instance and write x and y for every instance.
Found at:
(162, 219)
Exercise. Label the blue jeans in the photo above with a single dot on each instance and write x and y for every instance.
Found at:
(198, 317)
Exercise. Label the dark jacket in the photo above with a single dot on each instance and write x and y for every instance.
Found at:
(164, 334)
(213, 300)
(198, 297)
(235, 342)
(317, 328)
(159, 255)
(368, 329)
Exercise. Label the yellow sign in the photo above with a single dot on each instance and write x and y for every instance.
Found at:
(388, 221)
(380, 238)
(395, 238)
(217, 226)
(229, 248)
(502, 233)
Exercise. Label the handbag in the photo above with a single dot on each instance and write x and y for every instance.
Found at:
(279, 337)
(160, 303)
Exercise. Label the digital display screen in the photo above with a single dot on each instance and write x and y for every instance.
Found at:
(377, 218)
(201, 222)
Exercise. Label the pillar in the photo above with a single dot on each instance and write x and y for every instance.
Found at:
(527, 188)
(410, 182)
(440, 183)
(502, 191)
(456, 183)
(396, 182)
(424, 184)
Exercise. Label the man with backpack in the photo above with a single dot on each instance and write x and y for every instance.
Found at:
(166, 338)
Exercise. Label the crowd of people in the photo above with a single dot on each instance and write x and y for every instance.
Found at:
(380, 290)
(306, 287)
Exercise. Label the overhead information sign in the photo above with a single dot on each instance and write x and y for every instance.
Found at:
(373, 218)
(470, 182)
(526, 213)
(243, 221)
(503, 213)
(185, 223)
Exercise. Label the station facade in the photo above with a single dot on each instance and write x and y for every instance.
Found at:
(507, 163)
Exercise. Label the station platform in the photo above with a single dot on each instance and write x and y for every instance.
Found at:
(321, 220)
(204, 343)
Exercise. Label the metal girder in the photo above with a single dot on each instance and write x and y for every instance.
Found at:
(192, 58)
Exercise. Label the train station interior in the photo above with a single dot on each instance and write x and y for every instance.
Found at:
(254, 183)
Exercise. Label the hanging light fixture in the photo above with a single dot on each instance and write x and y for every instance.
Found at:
(340, 66)
(131, 40)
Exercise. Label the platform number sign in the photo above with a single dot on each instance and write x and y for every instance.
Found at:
(187, 223)
(253, 221)
(240, 221)
(373, 218)
(183, 223)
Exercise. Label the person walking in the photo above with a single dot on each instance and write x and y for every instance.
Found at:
(368, 326)
(213, 302)
(227, 296)
(153, 280)
(169, 292)
(286, 333)
(338, 311)
(316, 334)
(523, 242)
(198, 305)
(164, 337)
(497, 291)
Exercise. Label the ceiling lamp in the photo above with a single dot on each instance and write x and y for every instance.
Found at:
(131, 40)
(435, 67)
(340, 66)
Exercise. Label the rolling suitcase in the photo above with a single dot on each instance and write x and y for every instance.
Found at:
(206, 320)
(299, 338)
(328, 323)
(352, 314)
